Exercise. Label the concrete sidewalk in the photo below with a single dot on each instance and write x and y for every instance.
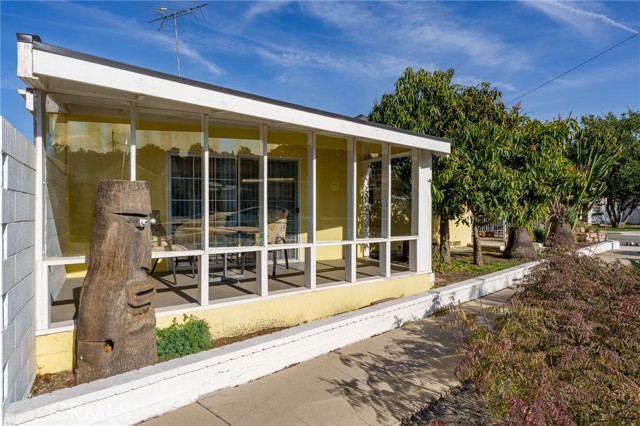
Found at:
(378, 381)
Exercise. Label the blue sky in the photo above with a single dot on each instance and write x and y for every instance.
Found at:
(342, 56)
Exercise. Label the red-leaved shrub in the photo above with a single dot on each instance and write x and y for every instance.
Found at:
(565, 350)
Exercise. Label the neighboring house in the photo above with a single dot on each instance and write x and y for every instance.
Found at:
(221, 164)
(635, 217)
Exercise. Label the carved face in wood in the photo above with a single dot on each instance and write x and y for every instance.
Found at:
(116, 324)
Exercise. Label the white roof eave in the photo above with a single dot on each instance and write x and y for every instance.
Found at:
(56, 66)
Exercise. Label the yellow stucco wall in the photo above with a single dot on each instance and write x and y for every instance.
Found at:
(460, 234)
(55, 351)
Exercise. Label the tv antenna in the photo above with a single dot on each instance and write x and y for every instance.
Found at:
(175, 14)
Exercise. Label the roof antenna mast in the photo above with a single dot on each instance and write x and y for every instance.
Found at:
(175, 14)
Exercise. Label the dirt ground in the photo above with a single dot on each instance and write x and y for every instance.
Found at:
(46, 383)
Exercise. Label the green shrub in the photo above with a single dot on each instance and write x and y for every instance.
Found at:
(539, 235)
(177, 340)
(566, 350)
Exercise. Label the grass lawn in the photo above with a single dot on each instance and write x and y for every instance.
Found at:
(624, 228)
(462, 267)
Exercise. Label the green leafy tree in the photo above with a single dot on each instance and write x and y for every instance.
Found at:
(481, 145)
(534, 158)
(622, 191)
(428, 103)
(592, 152)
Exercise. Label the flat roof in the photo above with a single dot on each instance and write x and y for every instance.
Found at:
(53, 68)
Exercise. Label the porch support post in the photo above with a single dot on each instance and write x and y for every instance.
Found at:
(310, 252)
(262, 259)
(132, 141)
(350, 249)
(385, 247)
(420, 259)
(43, 307)
(203, 270)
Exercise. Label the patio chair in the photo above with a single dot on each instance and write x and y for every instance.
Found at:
(276, 232)
(160, 242)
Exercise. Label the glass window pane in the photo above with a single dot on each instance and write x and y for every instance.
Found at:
(401, 196)
(169, 157)
(367, 261)
(331, 188)
(234, 185)
(369, 191)
(79, 152)
(287, 187)
(330, 265)
(400, 254)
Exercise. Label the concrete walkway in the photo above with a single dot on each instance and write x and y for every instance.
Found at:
(624, 254)
(378, 381)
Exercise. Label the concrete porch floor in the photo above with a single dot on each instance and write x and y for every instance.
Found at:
(184, 292)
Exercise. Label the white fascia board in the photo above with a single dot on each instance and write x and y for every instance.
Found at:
(72, 69)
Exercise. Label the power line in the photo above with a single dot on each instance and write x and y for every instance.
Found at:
(574, 68)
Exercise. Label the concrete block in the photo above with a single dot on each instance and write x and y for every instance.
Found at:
(25, 263)
(31, 198)
(14, 239)
(8, 274)
(8, 341)
(14, 174)
(28, 232)
(12, 369)
(8, 206)
(28, 180)
(24, 320)
(25, 207)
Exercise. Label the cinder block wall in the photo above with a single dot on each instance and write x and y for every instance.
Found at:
(17, 317)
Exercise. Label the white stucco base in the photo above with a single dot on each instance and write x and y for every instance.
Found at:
(138, 395)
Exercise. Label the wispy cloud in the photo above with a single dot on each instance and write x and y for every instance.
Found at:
(117, 27)
(414, 28)
(264, 7)
(578, 18)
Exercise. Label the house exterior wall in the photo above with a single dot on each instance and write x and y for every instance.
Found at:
(18, 265)
(55, 350)
(459, 233)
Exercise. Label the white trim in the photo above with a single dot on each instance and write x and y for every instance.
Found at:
(133, 147)
(334, 243)
(43, 307)
(48, 64)
(310, 253)
(352, 209)
(203, 270)
(262, 267)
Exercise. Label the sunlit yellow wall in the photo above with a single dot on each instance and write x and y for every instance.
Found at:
(285, 144)
(91, 148)
(460, 234)
(331, 194)
(55, 351)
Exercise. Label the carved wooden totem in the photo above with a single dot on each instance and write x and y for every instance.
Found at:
(116, 324)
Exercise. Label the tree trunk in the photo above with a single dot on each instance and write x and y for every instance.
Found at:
(620, 213)
(477, 246)
(520, 245)
(560, 233)
(445, 251)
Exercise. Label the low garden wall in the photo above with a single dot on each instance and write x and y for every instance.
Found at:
(138, 395)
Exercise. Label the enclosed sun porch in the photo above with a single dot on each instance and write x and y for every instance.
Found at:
(253, 199)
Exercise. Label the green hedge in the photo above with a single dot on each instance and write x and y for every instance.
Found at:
(177, 340)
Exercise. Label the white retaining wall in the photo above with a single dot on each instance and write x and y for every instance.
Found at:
(17, 312)
(142, 394)
(138, 395)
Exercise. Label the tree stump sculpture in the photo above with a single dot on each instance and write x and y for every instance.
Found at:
(116, 324)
